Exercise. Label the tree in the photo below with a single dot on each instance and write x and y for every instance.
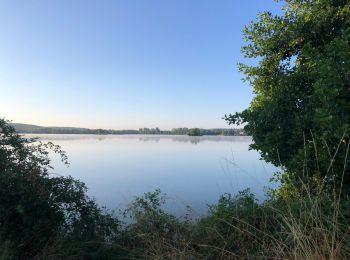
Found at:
(194, 132)
(42, 213)
(300, 115)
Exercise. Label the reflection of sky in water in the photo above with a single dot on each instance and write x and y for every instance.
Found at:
(191, 170)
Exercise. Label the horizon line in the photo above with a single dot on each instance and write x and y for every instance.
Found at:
(124, 128)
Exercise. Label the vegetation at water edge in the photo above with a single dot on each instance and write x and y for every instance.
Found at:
(299, 120)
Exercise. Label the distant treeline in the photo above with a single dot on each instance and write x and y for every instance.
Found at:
(33, 129)
(186, 131)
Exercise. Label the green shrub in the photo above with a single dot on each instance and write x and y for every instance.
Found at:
(41, 214)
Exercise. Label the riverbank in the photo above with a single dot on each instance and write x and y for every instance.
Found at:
(45, 216)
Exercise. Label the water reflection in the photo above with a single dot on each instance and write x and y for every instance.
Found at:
(186, 139)
(142, 138)
(193, 171)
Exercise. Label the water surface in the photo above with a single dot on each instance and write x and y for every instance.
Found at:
(190, 170)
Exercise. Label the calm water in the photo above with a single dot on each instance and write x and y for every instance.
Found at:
(190, 170)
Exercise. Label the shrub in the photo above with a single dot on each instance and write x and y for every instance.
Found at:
(41, 214)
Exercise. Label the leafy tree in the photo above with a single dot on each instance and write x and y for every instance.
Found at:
(41, 214)
(300, 115)
(194, 132)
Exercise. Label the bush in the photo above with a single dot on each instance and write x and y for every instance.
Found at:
(240, 227)
(42, 214)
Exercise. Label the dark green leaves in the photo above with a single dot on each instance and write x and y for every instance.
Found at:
(301, 110)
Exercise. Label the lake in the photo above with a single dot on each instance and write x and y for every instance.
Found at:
(192, 171)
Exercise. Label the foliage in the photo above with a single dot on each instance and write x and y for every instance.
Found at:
(153, 233)
(194, 132)
(299, 119)
(39, 212)
(241, 227)
(236, 226)
(300, 115)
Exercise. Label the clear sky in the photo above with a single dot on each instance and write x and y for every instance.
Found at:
(124, 64)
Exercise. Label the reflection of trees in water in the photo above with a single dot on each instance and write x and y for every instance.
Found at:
(142, 138)
(149, 139)
(186, 139)
(194, 139)
(183, 139)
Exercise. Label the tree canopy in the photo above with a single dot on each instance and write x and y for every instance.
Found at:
(194, 132)
(300, 115)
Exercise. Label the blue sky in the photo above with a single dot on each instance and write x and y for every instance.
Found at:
(124, 64)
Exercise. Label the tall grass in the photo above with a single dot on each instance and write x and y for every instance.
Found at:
(294, 222)
(238, 227)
